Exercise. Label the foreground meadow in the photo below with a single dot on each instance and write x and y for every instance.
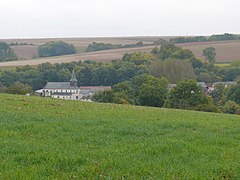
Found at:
(55, 139)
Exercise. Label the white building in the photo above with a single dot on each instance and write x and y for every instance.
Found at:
(70, 90)
(63, 90)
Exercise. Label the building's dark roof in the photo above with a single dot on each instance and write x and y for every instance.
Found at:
(59, 85)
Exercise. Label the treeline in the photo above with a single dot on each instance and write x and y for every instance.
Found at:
(220, 37)
(88, 73)
(147, 90)
(56, 48)
(170, 61)
(6, 52)
(53, 48)
(204, 69)
(131, 76)
(106, 46)
(19, 44)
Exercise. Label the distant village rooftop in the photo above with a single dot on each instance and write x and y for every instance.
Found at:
(59, 85)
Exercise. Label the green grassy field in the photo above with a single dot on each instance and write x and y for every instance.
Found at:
(223, 64)
(55, 139)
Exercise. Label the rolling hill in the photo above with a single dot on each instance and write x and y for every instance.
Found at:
(56, 139)
(98, 56)
(227, 51)
(30, 50)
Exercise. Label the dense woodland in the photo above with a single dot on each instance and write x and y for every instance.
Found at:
(141, 79)
(56, 48)
(220, 37)
(103, 46)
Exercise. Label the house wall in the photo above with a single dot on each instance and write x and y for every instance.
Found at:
(48, 92)
(76, 94)
(61, 97)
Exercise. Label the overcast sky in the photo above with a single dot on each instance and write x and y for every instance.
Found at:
(81, 18)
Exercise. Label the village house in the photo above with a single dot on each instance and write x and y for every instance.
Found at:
(203, 85)
(87, 92)
(225, 84)
(208, 87)
(70, 90)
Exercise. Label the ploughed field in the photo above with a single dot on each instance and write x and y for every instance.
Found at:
(43, 138)
(227, 51)
(25, 52)
(98, 56)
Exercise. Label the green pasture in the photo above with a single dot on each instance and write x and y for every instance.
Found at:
(44, 138)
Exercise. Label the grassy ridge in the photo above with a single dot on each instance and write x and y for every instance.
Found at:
(46, 138)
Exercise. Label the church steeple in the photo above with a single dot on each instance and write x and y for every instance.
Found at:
(73, 80)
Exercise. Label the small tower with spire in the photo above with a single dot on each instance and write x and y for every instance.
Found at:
(73, 80)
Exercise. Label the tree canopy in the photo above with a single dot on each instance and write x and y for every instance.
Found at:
(106, 46)
(171, 51)
(172, 69)
(138, 58)
(210, 54)
(142, 90)
(186, 95)
(215, 37)
(56, 48)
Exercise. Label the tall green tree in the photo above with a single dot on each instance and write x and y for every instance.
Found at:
(171, 51)
(210, 54)
(142, 90)
(138, 58)
(233, 93)
(186, 95)
(153, 92)
(172, 69)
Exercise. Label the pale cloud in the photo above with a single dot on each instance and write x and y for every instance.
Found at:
(68, 18)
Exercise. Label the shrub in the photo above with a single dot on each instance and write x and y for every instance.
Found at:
(19, 88)
(231, 107)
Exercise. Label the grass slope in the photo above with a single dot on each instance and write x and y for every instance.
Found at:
(46, 138)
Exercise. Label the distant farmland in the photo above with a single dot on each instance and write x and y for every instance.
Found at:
(99, 56)
(227, 51)
(30, 50)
